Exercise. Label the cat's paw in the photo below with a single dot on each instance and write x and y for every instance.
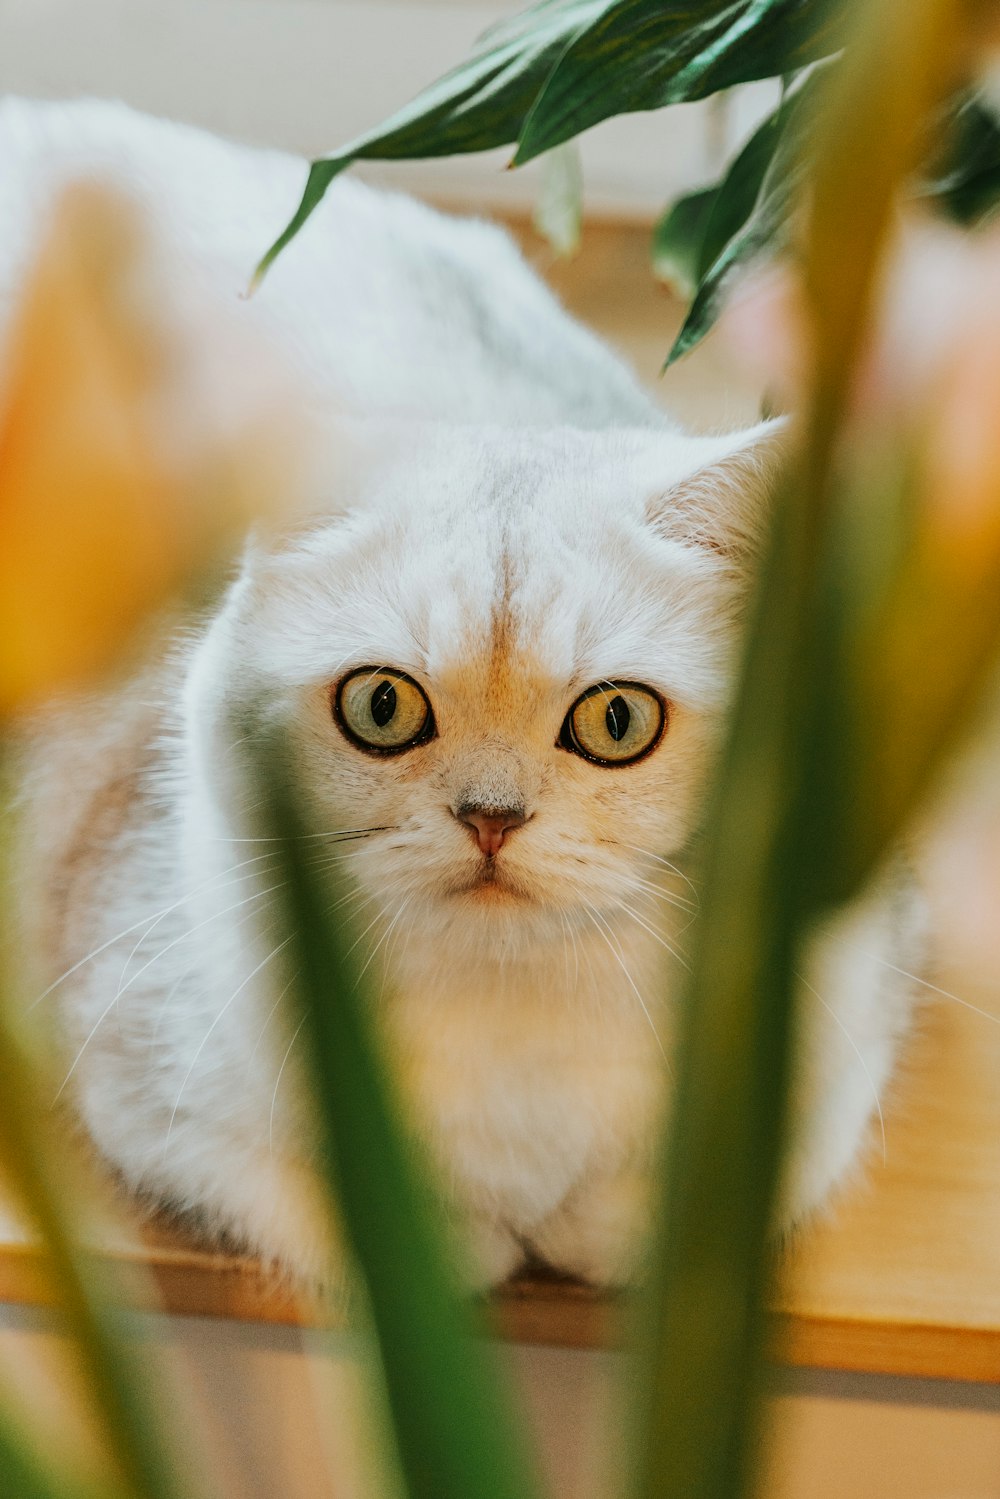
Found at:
(492, 1255)
(598, 1233)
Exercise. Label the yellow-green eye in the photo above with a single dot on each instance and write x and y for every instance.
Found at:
(614, 723)
(383, 710)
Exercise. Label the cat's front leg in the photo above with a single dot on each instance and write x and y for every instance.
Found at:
(599, 1231)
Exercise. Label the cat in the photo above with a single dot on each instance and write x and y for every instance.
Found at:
(501, 643)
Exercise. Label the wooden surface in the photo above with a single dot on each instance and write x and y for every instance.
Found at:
(904, 1278)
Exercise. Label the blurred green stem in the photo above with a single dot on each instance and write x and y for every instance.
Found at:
(33, 1172)
(456, 1436)
(774, 818)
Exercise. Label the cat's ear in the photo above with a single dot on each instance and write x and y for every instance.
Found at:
(721, 498)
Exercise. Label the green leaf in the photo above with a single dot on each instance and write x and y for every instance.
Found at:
(24, 1476)
(116, 1384)
(748, 214)
(751, 207)
(964, 180)
(558, 215)
(567, 64)
(37, 1170)
(702, 225)
(478, 105)
(644, 54)
(678, 238)
(779, 814)
(454, 1430)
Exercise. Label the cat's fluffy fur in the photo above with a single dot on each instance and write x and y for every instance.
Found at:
(524, 525)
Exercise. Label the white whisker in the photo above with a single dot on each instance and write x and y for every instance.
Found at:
(619, 959)
(143, 921)
(277, 1083)
(205, 1038)
(387, 933)
(302, 837)
(659, 859)
(934, 988)
(654, 934)
(857, 1052)
(270, 1016)
(155, 959)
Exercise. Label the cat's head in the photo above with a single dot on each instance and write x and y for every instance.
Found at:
(503, 664)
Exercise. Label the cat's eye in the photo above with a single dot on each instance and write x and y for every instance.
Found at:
(381, 709)
(614, 723)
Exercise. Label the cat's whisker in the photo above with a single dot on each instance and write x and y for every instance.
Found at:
(391, 949)
(660, 859)
(654, 906)
(143, 921)
(327, 833)
(380, 916)
(270, 1016)
(599, 926)
(692, 916)
(277, 1084)
(387, 933)
(576, 950)
(857, 1052)
(661, 894)
(211, 1030)
(199, 926)
(162, 1011)
(147, 965)
(657, 936)
(926, 984)
(144, 936)
(564, 925)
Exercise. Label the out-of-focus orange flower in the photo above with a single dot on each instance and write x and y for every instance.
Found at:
(929, 377)
(111, 488)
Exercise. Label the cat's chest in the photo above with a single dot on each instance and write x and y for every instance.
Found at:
(518, 1098)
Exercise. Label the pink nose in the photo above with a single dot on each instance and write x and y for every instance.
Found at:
(489, 825)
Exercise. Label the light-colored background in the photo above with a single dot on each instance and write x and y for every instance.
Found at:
(311, 74)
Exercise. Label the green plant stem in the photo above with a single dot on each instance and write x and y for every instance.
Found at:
(113, 1381)
(775, 811)
(455, 1435)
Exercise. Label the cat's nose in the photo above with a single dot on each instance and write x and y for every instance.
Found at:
(490, 825)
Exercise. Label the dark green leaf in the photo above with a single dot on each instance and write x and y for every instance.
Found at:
(36, 1170)
(697, 229)
(476, 106)
(644, 54)
(778, 816)
(118, 1386)
(23, 1476)
(567, 64)
(964, 180)
(455, 1434)
(678, 238)
(752, 205)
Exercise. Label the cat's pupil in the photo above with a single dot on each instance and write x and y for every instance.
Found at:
(383, 703)
(617, 718)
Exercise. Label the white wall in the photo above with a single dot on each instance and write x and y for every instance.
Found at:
(310, 74)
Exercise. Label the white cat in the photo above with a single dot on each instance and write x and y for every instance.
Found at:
(503, 656)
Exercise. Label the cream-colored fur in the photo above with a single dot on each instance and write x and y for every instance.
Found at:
(514, 523)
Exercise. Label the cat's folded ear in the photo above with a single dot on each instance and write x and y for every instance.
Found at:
(720, 499)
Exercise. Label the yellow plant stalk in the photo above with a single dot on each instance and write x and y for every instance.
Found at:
(124, 464)
(100, 518)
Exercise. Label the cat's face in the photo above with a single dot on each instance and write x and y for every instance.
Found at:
(504, 669)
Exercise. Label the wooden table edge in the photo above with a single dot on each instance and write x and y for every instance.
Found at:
(193, 1283)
